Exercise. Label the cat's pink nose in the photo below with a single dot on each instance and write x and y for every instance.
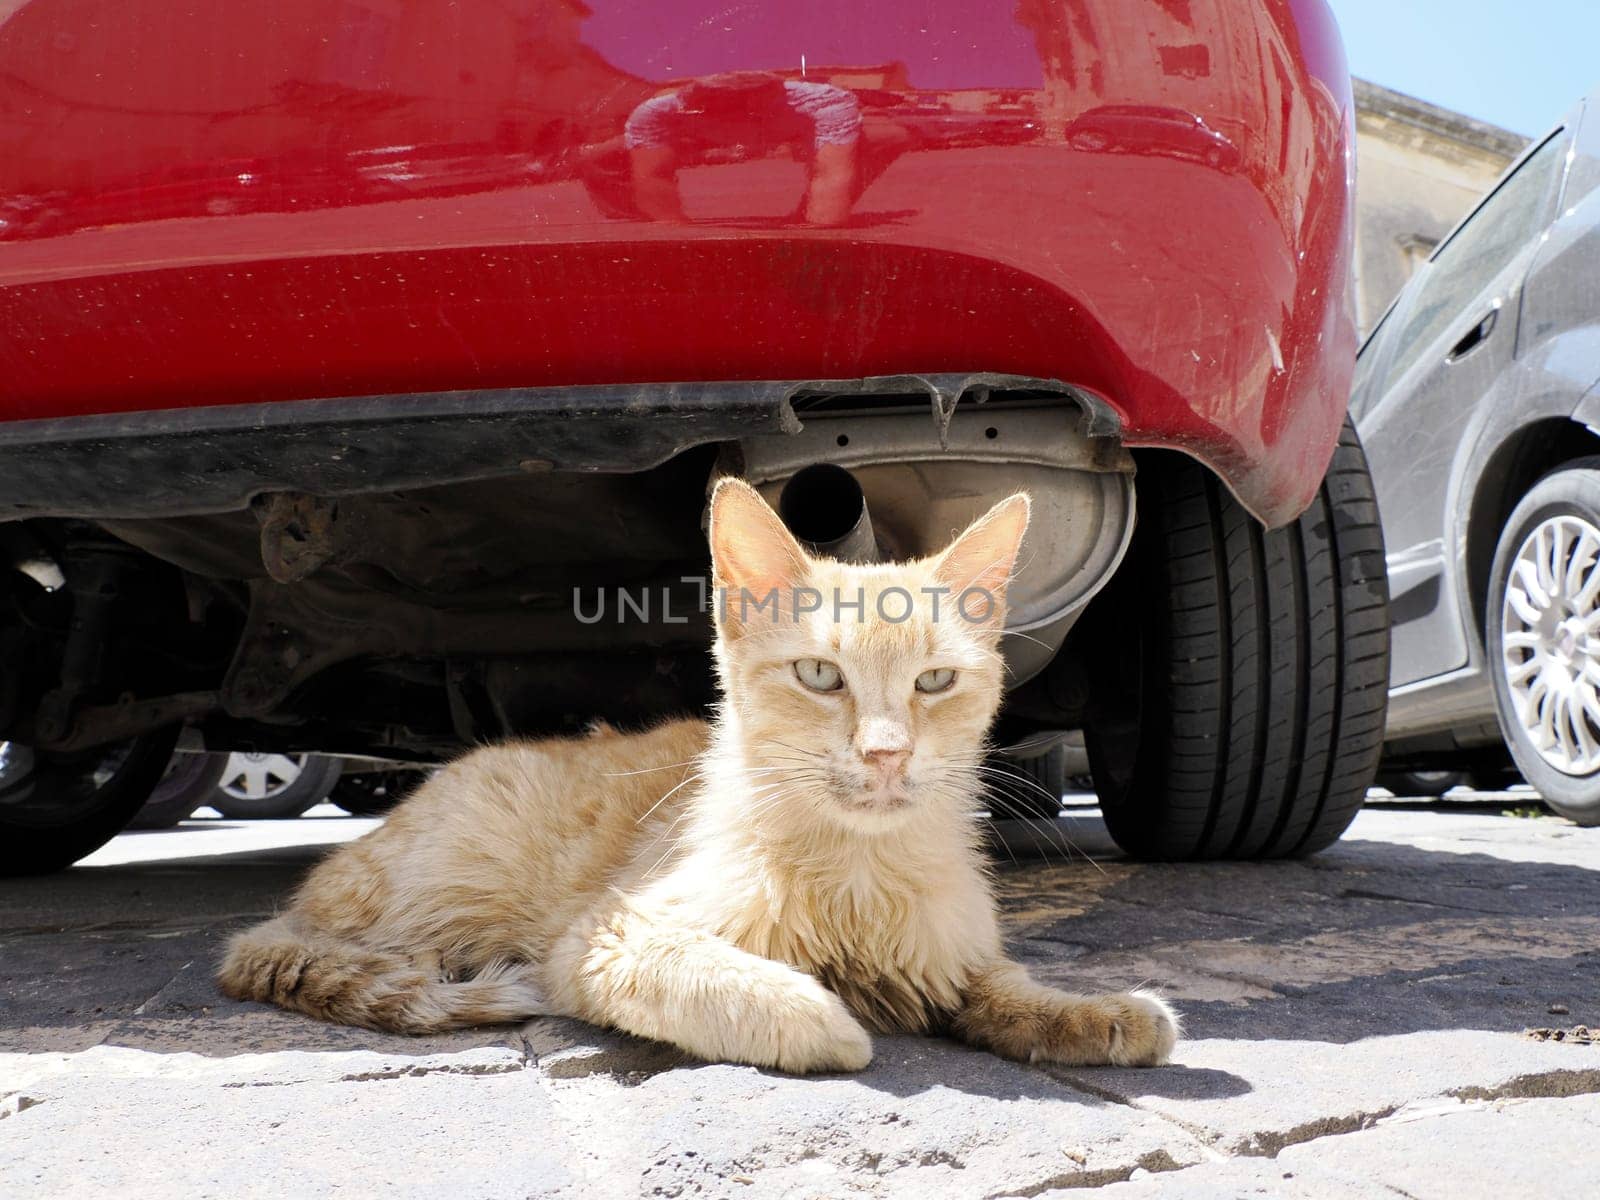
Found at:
(888, 763)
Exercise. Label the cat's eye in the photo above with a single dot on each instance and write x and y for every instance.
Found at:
(817, 675)
(936, 680)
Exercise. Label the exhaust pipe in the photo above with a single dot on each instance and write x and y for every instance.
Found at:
(825, 508)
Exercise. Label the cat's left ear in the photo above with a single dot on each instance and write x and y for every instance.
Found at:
(753, 555)
(983, 557)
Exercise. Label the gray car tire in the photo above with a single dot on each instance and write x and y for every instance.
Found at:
(186, 785)
(57, 808)
(1572, 491)
(1242, 673)
(1408, 785)
(374, 793)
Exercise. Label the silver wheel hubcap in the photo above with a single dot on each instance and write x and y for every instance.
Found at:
(1550, 644)
(260, 776)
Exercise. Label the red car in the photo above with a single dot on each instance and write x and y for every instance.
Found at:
(365, 366)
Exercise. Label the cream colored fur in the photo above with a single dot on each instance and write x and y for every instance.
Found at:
(764, 890)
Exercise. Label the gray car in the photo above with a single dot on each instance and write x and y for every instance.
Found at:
(1477, 399)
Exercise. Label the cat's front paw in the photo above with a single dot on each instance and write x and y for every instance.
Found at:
(817, 1033)
(1140, 1029)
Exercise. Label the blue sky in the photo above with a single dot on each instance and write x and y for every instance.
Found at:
(1516, 63)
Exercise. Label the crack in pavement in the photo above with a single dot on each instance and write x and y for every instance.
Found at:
(1558, 1084)
(1269, 1144)
(156, 995)
(412, 1072)
(1154, 1161)
(1364, 894)
(446, 1069)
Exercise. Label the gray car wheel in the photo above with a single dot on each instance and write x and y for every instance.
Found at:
(274, 786)
(1544, 639)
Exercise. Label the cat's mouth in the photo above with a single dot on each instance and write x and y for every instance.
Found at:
(891, 799)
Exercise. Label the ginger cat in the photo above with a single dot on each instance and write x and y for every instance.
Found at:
(762, 890)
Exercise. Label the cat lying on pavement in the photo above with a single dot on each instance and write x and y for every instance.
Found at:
(765, 889)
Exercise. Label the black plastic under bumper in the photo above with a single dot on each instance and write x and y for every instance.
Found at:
(215, 459)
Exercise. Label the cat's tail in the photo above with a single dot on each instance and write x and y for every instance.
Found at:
(281, 962)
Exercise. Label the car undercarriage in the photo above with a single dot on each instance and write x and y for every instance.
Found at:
(403, 579)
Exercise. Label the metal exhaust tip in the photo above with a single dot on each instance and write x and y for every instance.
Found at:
(823, 506)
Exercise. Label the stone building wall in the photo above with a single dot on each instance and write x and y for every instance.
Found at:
(1419, 168)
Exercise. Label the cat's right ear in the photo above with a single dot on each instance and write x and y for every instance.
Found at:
(753, 555)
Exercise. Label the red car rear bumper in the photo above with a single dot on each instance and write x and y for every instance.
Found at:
(398, 203)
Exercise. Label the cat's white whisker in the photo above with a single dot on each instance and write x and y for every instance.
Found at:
(1056, 832)
(646, 815)
(646, 770)
(1028, 637)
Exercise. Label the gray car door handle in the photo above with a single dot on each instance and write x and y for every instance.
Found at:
(1474, 337)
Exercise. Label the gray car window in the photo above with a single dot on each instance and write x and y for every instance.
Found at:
(1479, 250)
(1584, 174)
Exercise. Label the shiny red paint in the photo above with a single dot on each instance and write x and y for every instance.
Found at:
(231, 201)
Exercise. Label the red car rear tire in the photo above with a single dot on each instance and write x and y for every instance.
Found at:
(1243, 672)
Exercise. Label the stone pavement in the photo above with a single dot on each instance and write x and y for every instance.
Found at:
(1355, 1027)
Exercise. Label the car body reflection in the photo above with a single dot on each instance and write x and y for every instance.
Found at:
(1152, 129)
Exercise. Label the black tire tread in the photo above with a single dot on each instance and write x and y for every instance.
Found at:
(28, 850)
(1265, 668)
